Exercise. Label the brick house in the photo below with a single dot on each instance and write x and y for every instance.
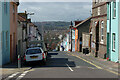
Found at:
(98, 29)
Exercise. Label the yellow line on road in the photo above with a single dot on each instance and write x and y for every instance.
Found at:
(88, 62)
(112, 72)
(95, 65)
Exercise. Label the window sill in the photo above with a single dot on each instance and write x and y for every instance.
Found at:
(114, 17)
(102, 42)
(113, 50)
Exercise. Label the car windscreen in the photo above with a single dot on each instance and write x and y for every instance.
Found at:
(33, 51)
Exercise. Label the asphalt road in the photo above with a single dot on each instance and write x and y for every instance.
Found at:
(63, 65)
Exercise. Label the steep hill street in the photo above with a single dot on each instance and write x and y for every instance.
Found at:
(64, 65)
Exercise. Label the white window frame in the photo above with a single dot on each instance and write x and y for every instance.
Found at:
(95, 26)
(102, 31)
(99, 10)
(113, 41)
(114, 9)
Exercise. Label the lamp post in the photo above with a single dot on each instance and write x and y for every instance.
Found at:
(71, 26)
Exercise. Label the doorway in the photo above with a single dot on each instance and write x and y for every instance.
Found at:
(97, 40)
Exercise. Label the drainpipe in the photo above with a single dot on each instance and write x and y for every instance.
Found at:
(109, 55)
(119, 31)
(71, 34)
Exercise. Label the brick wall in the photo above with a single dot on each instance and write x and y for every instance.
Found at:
(96, 22)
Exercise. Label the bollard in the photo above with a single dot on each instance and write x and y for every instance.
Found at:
(19, 61)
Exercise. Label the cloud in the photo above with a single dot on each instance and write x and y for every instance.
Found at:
(60, 11)
(55, 0)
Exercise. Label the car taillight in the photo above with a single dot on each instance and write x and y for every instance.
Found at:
(24, 57)
(43, 55)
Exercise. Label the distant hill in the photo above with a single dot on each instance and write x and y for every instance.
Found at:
(52, 30)
(52, 25)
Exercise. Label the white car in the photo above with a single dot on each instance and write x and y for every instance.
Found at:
(35, 54)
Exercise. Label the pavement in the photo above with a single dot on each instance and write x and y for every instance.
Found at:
(67, 65)
(11, 68)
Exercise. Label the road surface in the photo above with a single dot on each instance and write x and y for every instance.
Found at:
(63, 65)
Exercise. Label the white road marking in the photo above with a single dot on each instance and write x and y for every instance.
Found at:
(77, 67)
(69, 67)
(13, 75)
(22, 75)
(26, 72)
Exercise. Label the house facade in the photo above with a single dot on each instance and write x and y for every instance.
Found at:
(98, 29)
(38, 34)
(32, 32)
(76, 36)
(4, 33)
(13, 30)
(113, 31)
(82, 27)
(21, 42)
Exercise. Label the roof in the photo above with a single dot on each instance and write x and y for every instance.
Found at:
(82, 22)
(21, 18)
(31, 24)
(33, 48)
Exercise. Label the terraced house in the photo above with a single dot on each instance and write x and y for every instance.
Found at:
(13, 30)
(113, 19)
(4, 33)
(98, 29)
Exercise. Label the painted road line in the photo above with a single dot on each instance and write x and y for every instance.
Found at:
(95, 65)
(88, 62)
(22, 75)
(69, 67)
(25, 72)
(13, 75)
(112, 72)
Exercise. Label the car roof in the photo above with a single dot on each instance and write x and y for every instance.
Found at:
(34, 48)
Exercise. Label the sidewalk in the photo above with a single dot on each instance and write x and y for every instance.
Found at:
(11, 68)
(98, 61)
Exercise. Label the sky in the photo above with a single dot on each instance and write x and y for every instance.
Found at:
(56, 11)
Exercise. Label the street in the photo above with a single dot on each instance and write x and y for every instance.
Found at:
(63, 65)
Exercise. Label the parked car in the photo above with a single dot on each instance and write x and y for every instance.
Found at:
(35, 54)
(38, 44)
(54, 50)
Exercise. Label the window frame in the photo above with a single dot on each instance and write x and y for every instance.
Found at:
(5, 7)
(113, 42)
(99, 10)
(114, 9)
(7, 40)
(102, 31)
